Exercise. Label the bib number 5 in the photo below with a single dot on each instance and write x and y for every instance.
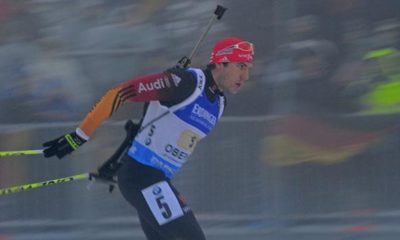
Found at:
(162, 202)
(166, 211)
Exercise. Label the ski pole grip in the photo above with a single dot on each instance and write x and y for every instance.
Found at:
(219, 11)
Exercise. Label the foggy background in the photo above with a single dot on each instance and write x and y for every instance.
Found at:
(308, 150)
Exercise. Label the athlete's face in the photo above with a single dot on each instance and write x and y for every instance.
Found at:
(232, 77)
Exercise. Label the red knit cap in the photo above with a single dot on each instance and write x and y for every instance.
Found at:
(232, 49)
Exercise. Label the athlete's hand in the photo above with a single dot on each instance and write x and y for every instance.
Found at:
(63, 145)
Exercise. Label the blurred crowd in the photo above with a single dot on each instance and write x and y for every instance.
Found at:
(317, 57)
(58, 57)
(337, 57)
(334, 81)
(326, 77)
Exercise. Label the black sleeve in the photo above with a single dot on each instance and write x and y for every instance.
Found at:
(186, 83)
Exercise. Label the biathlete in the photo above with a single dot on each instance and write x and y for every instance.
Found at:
(182, 107)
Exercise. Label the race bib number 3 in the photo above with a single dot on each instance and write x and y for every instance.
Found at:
(188, 140)
(162, 202)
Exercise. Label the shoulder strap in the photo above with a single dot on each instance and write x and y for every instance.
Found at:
(201, 80)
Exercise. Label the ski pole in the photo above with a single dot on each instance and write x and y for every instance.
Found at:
(20, 188)
(218, 13)
(83, 176)
(20, 152)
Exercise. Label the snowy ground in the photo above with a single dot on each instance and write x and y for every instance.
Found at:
(383, 226)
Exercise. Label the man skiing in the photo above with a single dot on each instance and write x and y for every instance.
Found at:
(182, 107)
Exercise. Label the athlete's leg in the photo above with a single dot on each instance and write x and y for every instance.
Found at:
(185, 228)
(162, 212)
(179, 227)
(149, 231)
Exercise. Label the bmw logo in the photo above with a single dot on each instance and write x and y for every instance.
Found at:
(147, 141)
(156, 190)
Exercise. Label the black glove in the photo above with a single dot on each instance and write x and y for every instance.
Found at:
(63, 145)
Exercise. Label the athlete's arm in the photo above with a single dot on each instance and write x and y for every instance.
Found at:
(170, 86)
